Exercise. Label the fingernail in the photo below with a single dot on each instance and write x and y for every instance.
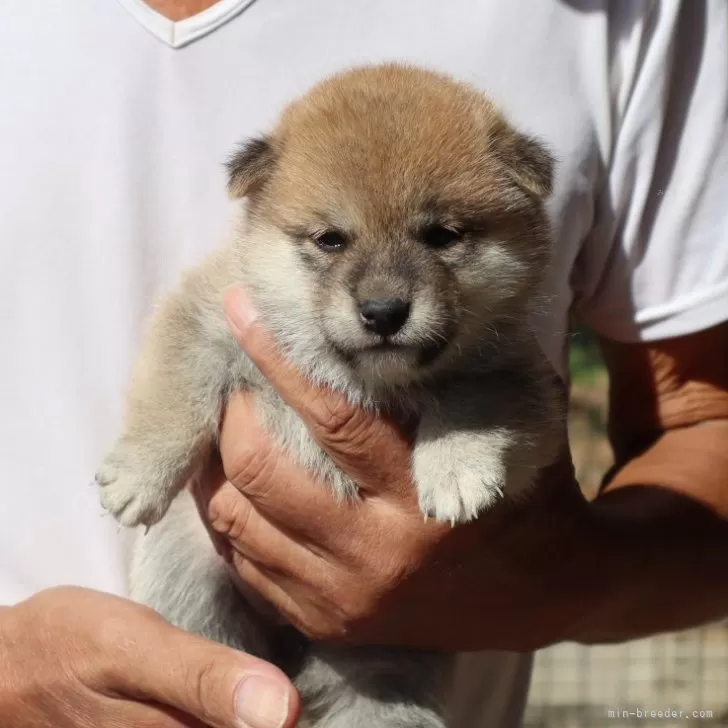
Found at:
(239, 310)
(262, 702)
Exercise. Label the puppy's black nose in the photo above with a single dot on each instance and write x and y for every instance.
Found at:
(384, 316)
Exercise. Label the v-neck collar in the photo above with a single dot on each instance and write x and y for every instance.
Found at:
(180, 33)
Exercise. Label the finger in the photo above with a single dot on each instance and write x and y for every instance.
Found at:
(202, 489)
(245, 446)
(366, 445)
(285, 493)
(284, 596)
(239, 531)
(248, 532)
(300, 504)
(218, 686)
(267, 584)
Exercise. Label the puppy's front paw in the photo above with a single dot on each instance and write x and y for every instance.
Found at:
(461, 492)
(129, 493)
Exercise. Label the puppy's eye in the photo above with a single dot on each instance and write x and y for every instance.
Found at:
(330, 240)
(439, 236)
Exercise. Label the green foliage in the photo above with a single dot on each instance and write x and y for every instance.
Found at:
(585, 361)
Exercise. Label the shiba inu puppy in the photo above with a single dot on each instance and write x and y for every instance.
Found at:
(393, 238)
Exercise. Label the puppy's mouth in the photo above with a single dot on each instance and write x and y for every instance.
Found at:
(413, 354)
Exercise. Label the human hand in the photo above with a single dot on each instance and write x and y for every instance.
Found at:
(371, 570)
(72, 657)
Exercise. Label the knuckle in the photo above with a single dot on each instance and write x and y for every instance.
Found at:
(327, 632)
(329, 625)
(112, 646)
(360, 607)
(348, 608)
(249, 468)
(336, 420)
(355, 612)
(206, 684)
(230, 517)
(58, 610)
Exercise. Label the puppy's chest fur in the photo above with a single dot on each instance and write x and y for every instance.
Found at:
(281, 422)
(293, 437)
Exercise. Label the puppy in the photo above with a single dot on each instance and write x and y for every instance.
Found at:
(393, 239)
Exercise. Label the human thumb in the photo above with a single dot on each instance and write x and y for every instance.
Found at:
(222, 687)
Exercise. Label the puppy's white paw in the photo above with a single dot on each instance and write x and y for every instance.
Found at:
(130, 495)
(461, 493)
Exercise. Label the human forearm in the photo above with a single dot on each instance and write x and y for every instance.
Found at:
(662, 538)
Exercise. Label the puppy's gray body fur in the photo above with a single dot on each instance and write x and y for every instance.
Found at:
(489, 415)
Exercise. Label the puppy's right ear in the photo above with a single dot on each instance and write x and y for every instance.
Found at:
(249, 168)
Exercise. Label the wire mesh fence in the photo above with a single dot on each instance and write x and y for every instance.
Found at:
(669, 680)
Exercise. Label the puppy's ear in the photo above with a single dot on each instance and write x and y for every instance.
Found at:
(529, 163)
(250, 167)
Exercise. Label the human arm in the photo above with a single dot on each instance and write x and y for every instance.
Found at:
(649, 554)
(663, 511)
(554, 568)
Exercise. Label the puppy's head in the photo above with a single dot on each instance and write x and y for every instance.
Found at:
(394, 217)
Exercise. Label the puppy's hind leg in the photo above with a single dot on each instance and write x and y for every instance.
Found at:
(373, 688)
(176, 571)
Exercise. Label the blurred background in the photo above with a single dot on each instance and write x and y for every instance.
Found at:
(590, 687)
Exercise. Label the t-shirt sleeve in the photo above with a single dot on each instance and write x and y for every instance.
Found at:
(655, 265)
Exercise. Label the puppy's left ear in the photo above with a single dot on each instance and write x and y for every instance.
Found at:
(529, 163)
(250, 167)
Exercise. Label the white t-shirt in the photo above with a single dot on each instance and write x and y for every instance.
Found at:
(115, 122)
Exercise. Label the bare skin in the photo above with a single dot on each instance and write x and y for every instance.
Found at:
(75, 657)
(177, 10)
(519, 578)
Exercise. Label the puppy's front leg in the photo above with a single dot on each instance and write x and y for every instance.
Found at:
(180, 380)
(486, 439)
(458, 474)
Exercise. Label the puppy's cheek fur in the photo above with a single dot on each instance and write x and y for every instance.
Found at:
(432, 317)
(283, 288)
(339, 316)
(495, 278)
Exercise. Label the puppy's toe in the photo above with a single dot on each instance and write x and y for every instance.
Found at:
(129, 496)
(461, 495)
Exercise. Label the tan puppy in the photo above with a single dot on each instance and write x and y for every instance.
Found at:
(393, 238)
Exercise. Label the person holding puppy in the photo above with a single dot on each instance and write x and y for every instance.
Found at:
(121, 114)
